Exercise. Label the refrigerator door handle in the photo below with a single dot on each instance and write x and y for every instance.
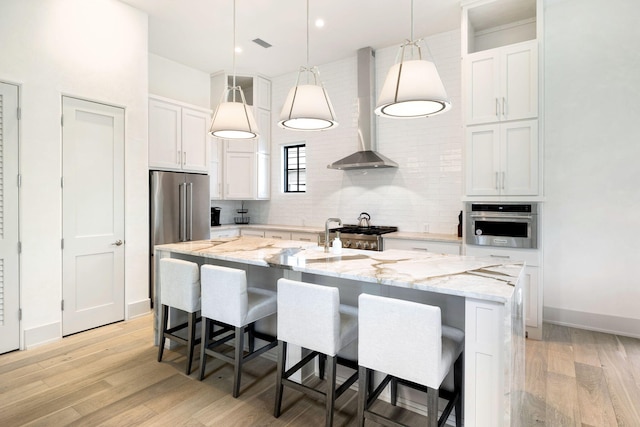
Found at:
(189, 211)
(182, 199)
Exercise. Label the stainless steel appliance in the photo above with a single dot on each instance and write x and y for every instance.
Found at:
(511, 225)
(355, 237)
(179, 211)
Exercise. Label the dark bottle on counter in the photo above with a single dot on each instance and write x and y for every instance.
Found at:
(460, 224)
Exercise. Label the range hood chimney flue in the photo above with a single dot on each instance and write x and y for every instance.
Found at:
(367, 157)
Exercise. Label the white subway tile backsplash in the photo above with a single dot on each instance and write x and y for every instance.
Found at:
(425, 189)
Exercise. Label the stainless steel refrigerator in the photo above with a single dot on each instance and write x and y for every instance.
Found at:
(180, 210)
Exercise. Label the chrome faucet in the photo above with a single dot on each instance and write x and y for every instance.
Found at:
(326, 231)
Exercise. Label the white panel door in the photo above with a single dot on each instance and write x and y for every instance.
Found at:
(483, 77)
(482, 158)
(9, 292)
(92, 215)
(520, 81)
(240, 176)
(519, 141)
(165, 134)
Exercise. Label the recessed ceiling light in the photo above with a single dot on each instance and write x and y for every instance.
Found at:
(319, 23)
(238, 49)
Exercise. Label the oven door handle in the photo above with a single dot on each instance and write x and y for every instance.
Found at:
(501, 217)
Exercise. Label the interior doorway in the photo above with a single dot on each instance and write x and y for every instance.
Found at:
(92, 214)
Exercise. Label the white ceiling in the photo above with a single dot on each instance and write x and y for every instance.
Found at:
(199, 33)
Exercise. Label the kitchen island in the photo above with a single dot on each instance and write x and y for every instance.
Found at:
(481, 296)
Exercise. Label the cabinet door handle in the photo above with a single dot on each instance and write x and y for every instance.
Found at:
(304, 239)
(420, 249)
(184, 158)
(500, 256)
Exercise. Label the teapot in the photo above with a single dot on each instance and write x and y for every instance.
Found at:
(363, 220)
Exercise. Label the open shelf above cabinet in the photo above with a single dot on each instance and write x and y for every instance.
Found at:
(495, 23)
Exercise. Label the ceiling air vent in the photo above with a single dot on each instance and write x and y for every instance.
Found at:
(262, 43)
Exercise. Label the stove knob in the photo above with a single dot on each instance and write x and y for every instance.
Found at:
(346, 244)
(366, 245)
(374, 246)
(358, 244)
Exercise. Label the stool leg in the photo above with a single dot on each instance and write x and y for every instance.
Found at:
(191, 340)
(394, 391)
(432, 407)
(163, 327)
(322, 360)
(282, 360)
(331, 389)
(206, 331)
(364, 384)
(237, 369)
(458, 370)
(252, 338)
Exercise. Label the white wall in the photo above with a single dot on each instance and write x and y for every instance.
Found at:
(177, 81)
(426, 189)
(95, 50)
(592, 177)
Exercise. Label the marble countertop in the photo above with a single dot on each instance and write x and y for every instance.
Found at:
(472, 277)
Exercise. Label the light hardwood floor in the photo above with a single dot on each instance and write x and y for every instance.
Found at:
(109, 376)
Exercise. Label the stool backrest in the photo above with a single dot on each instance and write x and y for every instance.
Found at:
(180, 284)
(224, 294)
(401, 338)
(309, 316)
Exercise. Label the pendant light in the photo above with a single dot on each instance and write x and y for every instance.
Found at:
(413, 87)
(307, 106)
(233, 119)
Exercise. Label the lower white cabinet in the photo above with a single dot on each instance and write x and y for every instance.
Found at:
(252, 232)
(452, 248)
(225, 232)
(304, 237)
(273, 234)
(532, 286)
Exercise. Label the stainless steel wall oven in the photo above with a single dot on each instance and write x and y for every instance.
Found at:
(511, 225)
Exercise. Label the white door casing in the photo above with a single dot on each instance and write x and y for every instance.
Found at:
(9, 262)
(93, 215)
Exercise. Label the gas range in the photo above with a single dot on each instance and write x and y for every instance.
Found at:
(355, 237)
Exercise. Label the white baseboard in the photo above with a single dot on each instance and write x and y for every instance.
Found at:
(138, 308)
(40, 335)
(593, 321)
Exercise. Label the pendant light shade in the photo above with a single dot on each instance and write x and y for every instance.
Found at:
(307, 106)
(233, 119)
(413, 87)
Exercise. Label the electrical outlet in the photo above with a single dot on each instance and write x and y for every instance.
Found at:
(425, 228)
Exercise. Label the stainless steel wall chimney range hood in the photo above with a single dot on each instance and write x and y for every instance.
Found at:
(367, 157)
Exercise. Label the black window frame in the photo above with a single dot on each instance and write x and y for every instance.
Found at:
(288, 149)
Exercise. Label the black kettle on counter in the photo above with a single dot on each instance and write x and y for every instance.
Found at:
(363, 220)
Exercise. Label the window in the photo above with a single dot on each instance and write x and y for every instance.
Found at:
(295, 169)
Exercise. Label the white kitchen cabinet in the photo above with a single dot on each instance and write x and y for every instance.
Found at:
(178, 138)
(251, 232)
(277, 234)
(224, 232)
(502, 84)
(532, 286)
(215, 169)
(304, 237)
(239, 176)
(246, 177)
(502, 159)
(452, 248)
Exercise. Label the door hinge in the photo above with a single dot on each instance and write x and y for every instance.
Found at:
(19, 180)
(19, 113)
(62, 120)
(61, 243)
(62, 182)
(62, 305)
(19, 248)
(19, 314)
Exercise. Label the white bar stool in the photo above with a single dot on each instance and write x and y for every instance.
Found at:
(180, 289)
(407, 341)
(310, 316)
(227, 300)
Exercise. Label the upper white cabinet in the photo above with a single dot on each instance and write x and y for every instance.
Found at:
(502, 159)
(502, 84)
(245, 166)
(178, 138)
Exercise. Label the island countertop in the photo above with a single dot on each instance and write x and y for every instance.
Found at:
(471, 277)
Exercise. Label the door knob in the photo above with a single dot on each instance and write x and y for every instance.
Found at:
(117, 243)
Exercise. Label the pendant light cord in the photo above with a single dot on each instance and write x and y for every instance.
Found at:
(234, 49)
(411, 20)
(308, 41)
